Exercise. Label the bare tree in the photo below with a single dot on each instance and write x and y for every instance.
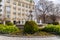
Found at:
(44, 7)
(55, 13)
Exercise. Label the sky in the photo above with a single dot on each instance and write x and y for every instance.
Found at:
(55, 1)
(36, 1)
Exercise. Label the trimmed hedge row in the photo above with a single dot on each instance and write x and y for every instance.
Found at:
(8, 29)
(52, 28)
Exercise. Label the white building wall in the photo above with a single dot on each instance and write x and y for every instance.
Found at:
(23, 10)
(2, 8)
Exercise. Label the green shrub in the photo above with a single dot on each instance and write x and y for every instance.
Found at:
(1, 25)
(5, 29)
(9, 23)
(55, 23)
(49, 28)
(57, 29)
(30, 27)
(52, 28)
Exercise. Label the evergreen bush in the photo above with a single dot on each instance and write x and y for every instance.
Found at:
(30, 27)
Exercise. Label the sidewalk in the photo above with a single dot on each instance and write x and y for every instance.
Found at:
(25, 38)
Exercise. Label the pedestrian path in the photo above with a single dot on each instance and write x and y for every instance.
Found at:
(26, 38)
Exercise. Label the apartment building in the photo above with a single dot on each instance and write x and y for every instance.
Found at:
(16, 10)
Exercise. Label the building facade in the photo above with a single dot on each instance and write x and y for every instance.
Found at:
(16, 10)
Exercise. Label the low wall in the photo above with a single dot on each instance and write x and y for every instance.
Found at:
(22, 26)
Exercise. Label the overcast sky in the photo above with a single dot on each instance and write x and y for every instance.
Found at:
(36, 1)
(55, 1)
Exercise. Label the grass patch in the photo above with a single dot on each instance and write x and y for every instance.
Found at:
(39, 33)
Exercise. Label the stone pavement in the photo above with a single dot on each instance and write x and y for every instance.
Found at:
(26, 38)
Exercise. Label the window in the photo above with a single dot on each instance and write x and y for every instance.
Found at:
(14, 8)
(8, 8)
(8, 1)
(14, 13)
(0, 15)
(19, 4)
(29, 6)
(18, 13)
(8, 12)
(0, 5)
(30, 1)
(26, 6)
(14, 18)
(27, 0)
(0, 10)
(23, 10)
(33, 7)
(22, 5)
(8, 16)
(14, 3)
(26, 10)
(22, 14)
(19, 8)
